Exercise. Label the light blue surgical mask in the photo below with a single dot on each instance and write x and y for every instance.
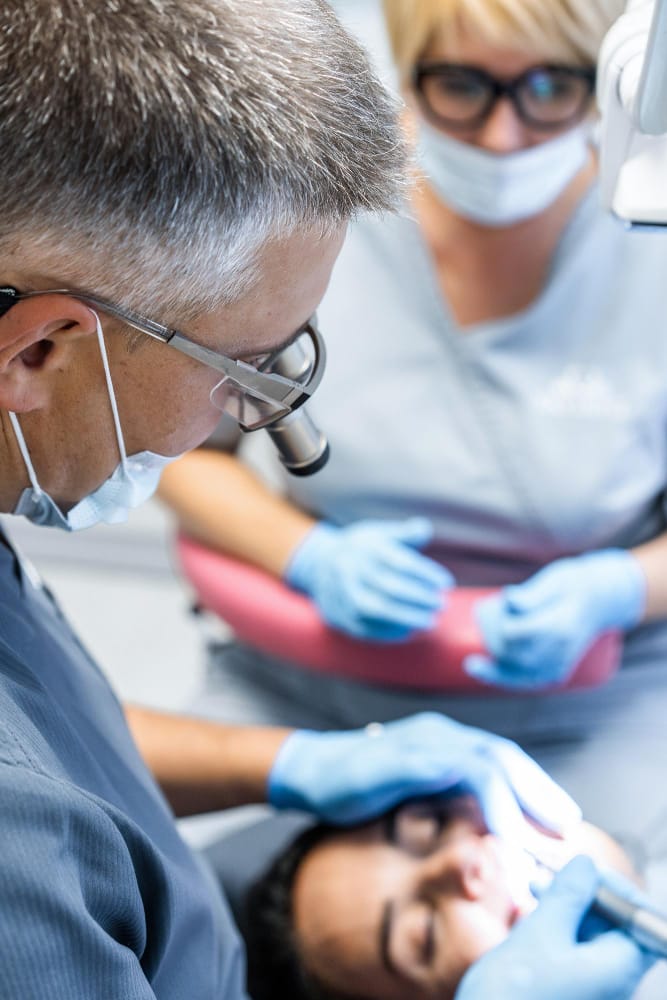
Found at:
(499, 190)
(134, 480)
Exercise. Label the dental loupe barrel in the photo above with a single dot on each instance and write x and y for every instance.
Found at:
(302, 447)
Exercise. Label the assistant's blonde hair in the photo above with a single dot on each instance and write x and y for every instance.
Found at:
(569, 31)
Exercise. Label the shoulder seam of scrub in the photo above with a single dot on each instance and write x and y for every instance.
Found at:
(27, 764)
(21, 757)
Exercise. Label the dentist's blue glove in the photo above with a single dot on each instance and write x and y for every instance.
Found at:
(368, 580)
(543, 958)
(537, 631)
(353, 776)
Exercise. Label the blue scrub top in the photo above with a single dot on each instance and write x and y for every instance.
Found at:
(100, 897)
(524, 439)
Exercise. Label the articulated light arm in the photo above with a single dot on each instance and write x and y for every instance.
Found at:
(632, 94)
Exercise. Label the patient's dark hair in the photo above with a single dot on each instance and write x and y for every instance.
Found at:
(275, 967)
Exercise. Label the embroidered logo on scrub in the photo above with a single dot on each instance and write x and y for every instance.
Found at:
(581, 391)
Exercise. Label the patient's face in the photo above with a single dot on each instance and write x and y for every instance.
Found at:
(401, 908)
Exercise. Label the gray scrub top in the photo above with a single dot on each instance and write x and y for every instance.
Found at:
(99, 896)
(524, 439)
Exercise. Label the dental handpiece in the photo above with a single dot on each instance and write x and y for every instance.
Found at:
(645, 925)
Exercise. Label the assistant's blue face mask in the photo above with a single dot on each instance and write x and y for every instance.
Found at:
(133, 481)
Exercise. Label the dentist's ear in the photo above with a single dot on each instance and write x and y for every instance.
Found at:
(36, 340)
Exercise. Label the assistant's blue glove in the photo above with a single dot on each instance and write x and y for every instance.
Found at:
(537, 631)
(354, 776)
(543, 959)
(367, 580)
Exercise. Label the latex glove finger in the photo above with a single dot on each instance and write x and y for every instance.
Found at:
(371, 608)
(620, 957)
(408, 775)
(539, 796)
(551, 647)
(435, 737)
(595, 923)
(548, 584)
(397, 587)
(608, 877)
(415, 768)
(550, 640)
(547, 655)
(566, 906)
(520, 629)
(490, 614)
(413, 566)
(570, 895)
(506, 674)
(499, 805)
(413, 531)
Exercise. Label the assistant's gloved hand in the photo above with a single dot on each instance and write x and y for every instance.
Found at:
(542, 959)
(537, 631)
(367, 580)
(354, 776)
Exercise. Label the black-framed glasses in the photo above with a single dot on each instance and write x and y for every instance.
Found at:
(256, 395)
(458, 96)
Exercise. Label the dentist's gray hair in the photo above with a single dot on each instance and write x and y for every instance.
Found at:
(149, 148)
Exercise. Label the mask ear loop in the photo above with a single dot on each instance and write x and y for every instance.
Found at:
(110, 390)
(23, 448)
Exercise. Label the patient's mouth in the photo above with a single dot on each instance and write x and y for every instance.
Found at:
(516, 913)
(519, 871)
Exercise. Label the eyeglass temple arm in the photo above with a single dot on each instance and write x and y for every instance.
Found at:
(274, 387)
(9, 296)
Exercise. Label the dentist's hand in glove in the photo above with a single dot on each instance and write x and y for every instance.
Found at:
(369, 580)
(543, 959)
(351, 777)
(536, 632)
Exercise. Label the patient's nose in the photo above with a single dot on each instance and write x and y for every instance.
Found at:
(462, 869)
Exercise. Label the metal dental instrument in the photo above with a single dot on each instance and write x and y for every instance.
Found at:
(645, 925)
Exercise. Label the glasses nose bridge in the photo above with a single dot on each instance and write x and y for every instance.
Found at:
(502, 130)
(506, 90)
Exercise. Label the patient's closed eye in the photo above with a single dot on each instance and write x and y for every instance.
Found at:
(413, 938)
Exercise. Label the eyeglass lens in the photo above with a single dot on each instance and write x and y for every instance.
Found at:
(460, 96)
(294, 364)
